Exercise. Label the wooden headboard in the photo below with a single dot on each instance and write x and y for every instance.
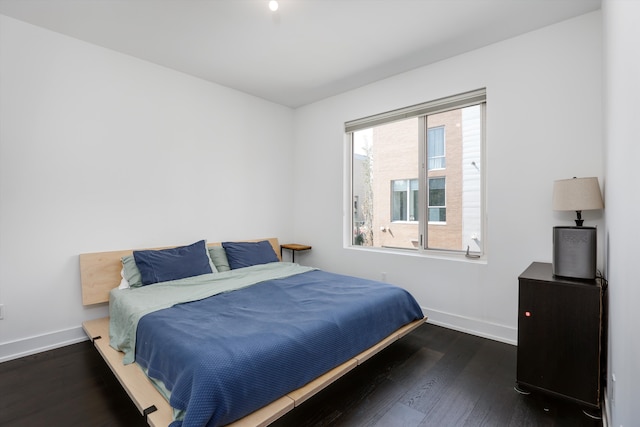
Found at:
(100, 271)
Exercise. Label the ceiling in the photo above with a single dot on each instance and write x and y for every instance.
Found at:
(307, 50)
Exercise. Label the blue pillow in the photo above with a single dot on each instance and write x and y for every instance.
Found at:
(172, 264)
(246, 254)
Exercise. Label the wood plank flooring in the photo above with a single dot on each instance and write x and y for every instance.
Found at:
(432, 377)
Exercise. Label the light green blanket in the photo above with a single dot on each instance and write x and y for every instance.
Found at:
(127, 306)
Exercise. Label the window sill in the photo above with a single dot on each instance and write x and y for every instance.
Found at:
(432, 254)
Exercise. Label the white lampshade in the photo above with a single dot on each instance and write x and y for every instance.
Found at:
(577, 194)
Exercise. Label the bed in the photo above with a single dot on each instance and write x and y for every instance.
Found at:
(217, 346)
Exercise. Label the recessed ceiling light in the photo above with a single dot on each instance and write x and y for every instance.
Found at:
(273, 5)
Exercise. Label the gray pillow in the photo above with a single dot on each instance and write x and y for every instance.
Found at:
(131, 272)
(219, 257)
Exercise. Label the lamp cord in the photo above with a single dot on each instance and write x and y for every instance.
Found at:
(605, 282)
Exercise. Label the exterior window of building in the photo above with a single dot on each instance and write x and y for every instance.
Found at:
(437, 196)
(417, 178)
(435, 148)
(404, 200)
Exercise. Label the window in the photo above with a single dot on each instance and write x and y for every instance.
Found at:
(417, 176)
(404, 200)
(435, 148)
(437, 196)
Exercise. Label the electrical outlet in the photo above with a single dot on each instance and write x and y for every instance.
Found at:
(1, 311)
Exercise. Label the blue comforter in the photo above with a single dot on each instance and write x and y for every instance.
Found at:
(225, 356)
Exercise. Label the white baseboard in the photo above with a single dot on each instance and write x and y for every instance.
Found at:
(492, 331)
(37, 344)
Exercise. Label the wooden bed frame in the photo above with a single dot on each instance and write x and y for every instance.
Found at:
(100, 272)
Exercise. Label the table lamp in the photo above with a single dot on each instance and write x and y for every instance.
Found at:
(575, 248)
(577, 194)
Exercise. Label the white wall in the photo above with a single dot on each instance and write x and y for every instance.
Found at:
(622, 89)
(100, 151)
(544, 119)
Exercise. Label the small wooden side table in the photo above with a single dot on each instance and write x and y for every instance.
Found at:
(293, 247)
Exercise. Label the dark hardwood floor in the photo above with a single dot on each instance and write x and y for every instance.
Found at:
(432, 377)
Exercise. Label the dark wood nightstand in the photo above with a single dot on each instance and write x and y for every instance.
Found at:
(293, 247)
(560, 335)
